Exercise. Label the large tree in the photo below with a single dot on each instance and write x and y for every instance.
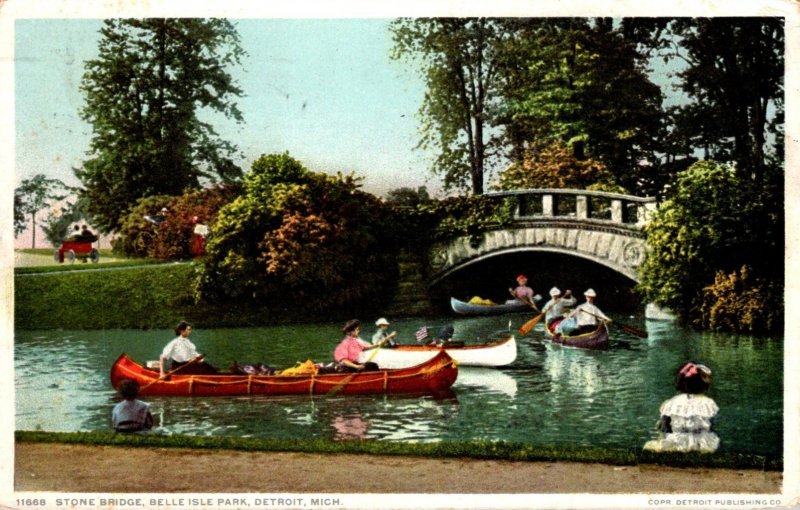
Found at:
(458, 59)
(144, 95)
(499, 87)
(580, 82)
(33, 195)
(732, 74)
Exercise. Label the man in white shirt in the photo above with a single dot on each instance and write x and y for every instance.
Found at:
(588, 315)
(181, 351)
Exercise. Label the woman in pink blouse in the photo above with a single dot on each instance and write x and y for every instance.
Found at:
(346, 353)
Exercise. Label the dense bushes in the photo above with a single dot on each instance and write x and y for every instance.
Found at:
(715, 221)
(741, 303)
(296, 238)
(140, 297)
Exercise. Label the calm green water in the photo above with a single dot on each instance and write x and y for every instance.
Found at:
(550, 396)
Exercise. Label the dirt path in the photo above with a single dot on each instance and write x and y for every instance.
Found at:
(80, 468)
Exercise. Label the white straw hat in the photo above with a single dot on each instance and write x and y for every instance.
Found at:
(590, 293)
(381, 322)
(554, 291)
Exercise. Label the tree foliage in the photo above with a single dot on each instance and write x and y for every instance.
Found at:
(300, 238)
(144, 96)
(713, 222)
(458, 59)
(408, 197)
(33, 195)
(498, 88)
(740, 302)
(732, 73)
(580, 82)
(554, 165)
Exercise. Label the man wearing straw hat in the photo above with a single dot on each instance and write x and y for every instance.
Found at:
(588, 315)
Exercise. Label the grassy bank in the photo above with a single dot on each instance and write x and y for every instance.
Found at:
(497, 450)
(123, 296)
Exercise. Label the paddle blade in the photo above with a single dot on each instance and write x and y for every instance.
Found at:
(630, 329)
(528, 326)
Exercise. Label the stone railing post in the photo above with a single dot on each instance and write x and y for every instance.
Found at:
(547, 205)
(616, 211)
(646, 211)
(581, 207)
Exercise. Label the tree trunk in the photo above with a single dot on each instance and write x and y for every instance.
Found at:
(33, 230)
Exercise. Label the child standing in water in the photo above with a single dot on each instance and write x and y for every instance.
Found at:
(686, 423)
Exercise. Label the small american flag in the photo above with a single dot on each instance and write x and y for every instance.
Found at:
(422, 333)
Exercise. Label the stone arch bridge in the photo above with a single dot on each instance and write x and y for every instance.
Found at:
(602, 227)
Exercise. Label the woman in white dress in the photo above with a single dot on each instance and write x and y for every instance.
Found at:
(686, 423)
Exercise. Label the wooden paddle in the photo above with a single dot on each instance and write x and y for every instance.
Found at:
(528, 326)
(624, 327)
(527, 300)
(165, 376)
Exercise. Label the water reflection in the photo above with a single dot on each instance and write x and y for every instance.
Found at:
(349, 427)
(549, 395)
(489, 380)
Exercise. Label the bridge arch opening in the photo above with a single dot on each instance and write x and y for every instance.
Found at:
(492, 275)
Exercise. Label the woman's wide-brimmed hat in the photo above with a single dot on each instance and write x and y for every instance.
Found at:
(381, 322)
(590, 293)
(555, 291)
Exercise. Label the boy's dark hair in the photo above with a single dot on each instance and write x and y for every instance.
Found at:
(128, 389)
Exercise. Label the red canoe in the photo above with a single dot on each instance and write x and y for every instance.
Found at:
(434, 376)
(597, 339)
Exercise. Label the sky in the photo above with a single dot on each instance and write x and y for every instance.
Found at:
(323, 88)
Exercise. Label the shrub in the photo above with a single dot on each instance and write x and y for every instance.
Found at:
(741, 303)
(300, 238)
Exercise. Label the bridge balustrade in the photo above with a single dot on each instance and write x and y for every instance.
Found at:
(598, 206)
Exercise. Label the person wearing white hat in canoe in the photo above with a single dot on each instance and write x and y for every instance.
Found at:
(584, 318)
(383, 334)
(587, 314)
(555, 308)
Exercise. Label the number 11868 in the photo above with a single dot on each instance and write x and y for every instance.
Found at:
(31, 502)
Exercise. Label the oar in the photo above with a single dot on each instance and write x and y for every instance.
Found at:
(196, 358)
(528, 326)
(526, 300)
(624, 327)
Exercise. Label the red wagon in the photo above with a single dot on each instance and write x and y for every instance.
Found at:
(71, 250)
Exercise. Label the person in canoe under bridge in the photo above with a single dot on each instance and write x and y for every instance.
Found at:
(383, 334)
(584, 318)
(522, 292)
(346, 353)
(183, 355)
(555, 308)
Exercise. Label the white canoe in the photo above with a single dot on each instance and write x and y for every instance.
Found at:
(495, 354)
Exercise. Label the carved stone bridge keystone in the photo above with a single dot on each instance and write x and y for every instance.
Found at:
(605, 228)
